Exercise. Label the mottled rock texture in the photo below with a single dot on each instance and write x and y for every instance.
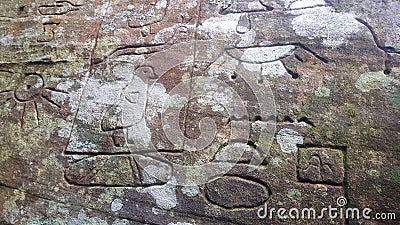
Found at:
(124, 111)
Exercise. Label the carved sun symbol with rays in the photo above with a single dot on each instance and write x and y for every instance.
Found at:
(29, 90)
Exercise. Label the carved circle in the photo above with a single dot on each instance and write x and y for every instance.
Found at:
(30, 87)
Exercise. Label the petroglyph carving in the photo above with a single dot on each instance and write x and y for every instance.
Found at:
(48, 33)
(236, 192)
(58, 8)
(241, 6)
(52, 19)
(119, 170)
(321, 165)
(29, 90)
(103, 171)
(145, 14)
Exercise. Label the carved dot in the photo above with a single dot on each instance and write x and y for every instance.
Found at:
(29, 88)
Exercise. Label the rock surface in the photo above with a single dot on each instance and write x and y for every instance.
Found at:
(198, 112)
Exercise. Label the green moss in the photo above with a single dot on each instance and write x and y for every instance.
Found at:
(373, 80)
(81, 219)
(109, 195)
(374, 173)
(326, 134)
(395, 100)
(323, 92)
(5, 154)
(51, 163)
(294, 194)
(395, 174)
(10, 211)
(350, 111)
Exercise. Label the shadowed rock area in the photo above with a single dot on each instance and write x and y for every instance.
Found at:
(199, 112)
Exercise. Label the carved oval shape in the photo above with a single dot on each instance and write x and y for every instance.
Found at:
(236, 192)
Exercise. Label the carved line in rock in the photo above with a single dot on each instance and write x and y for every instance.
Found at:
(142, 18)
(288, 119)
(147, 19)
(48, 33)
(237, 192)
(52, 19)
(58, 8)
(106, 128)
(31, 89)
(322, 164)
(241, 6)
(136, 49)
(103, 171)
(114, 170)
(130, 50)
(325, 4)
(120, 140)
(378, 43)
(112, 123)
(237, 53)
(146, 77)
(252, 150)
(234, 52)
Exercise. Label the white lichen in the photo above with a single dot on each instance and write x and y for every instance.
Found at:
(323, 92)
(6, 40)
(288, 140)
(333, 28)
(272, 69)
(190, 191)
(276, 161)
(139, 135)
(253, 67)
(247, 39)
(189, 4)
(164, 195)
(221, 25)
(10, 212)
(372, 80)
(306, 4)
(266, 54)
(233, 152)
(162, 4)
(217, 100)
(116, 205)
(152, 173)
